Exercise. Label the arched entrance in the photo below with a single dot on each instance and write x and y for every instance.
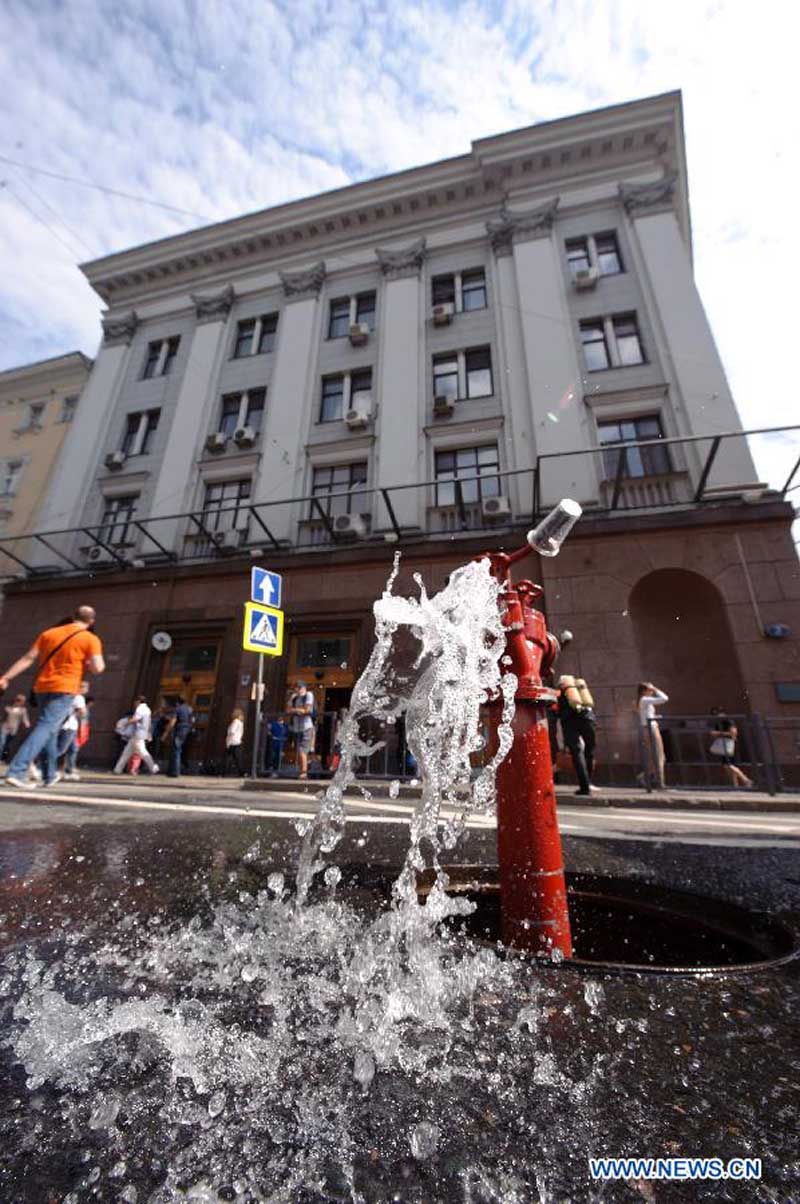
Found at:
(684, 642)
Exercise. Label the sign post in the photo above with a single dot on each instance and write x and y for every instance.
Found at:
(263, 634)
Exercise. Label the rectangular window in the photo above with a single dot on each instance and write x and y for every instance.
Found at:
(117, 517)
(35, 415)
(150, 428)
(339, 479)
(139, 431)
(332, 399)
(245, 333)
(339, 322)
(445, 376)
(608, 259)
(151, 360)
(68, 407)
(169, 358)
(10, 477)
(229, 416)
(224, 508)
(639, 461)
(444, 290)
(361, 390)
(131, 433)
(323, 652)
(365, 310)
(473, 290)
(160, 357)
(479, 372)
(595, 348)
(254, 412)
(629, 347)
(461, 464)
(269, 328)
(578, 255)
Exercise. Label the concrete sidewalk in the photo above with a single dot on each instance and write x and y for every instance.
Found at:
(678, 799)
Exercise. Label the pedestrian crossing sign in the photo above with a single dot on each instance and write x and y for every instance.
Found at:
(263, 629)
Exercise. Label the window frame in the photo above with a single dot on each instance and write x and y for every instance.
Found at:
(616, 321)
(475, 478)
(215, 509)
(11, 472)
(111, 519)
(344, 306)
(346, 491)
(327, 380)
(654, 461)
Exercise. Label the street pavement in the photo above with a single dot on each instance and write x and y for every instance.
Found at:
(104, 799)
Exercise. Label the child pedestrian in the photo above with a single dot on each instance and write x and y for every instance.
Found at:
(278, 735)
(15, 717)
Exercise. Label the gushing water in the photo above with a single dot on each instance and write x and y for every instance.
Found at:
(259, 1029)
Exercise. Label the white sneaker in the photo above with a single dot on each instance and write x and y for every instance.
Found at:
(53, 781)
(72, 776)
(155, 769)
(35, 773)
(19, 783)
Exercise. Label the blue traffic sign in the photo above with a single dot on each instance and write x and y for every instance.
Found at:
(266, 587)
(263, 629)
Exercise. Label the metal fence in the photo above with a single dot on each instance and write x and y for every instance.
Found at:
(767, 750)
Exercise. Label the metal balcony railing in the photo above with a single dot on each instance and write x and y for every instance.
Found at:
(530, 492)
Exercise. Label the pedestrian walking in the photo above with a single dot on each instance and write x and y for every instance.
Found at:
(575, 709)
(301, 724)
(15, 717)
(63, 655)
(652, 746)
(278, 735)
(725, 733)
(233, 742)
(180, 726)
(68, 736)
(136, 745)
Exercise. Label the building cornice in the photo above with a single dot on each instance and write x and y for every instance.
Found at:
(58, 368)
(620, 142)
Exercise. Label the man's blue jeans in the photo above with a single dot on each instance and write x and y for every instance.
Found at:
(53, 710)
(68, 748)
(176, 751)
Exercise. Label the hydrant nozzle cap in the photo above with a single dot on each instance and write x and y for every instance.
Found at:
(547, 538)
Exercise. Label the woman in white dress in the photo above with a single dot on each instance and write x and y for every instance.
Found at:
(650, 697)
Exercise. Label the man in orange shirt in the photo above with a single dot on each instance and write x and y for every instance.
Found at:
(64, 654)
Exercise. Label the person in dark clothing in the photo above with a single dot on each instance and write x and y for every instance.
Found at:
(576, 715)
(180, 726)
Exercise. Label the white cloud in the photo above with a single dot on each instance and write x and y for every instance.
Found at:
(224, 108)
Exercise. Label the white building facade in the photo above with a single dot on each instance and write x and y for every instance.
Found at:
(424, 359)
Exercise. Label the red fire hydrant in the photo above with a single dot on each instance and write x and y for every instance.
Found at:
(533, 891)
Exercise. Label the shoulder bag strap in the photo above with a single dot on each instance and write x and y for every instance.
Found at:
(57, 648)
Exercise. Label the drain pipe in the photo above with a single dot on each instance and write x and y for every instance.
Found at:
(533, 892)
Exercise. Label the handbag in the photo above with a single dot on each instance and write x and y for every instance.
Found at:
(32, 699)
(723, 746)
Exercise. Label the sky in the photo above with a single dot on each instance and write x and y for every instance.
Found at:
(222, 107)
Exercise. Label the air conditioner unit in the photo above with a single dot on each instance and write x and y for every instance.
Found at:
(216, 442)
(115, 459)
(496, 507)
(359, 333)
(98, 555)
(230, 541)
(358, 419)
(443, 314)
(443, 404)
(586, 278)
(244, 436)
(349, 526)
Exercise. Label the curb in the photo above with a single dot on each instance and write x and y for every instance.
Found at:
(565, 796)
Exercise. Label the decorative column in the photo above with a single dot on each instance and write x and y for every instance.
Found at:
(76, 469)
(176, 478)
(402, 393)
(290, 400)
(554, 373)
(690, 355)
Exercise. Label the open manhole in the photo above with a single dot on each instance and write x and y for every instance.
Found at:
(624, 925)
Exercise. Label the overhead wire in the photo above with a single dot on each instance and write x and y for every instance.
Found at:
(73, 233)
(37, 217)
(54, 175)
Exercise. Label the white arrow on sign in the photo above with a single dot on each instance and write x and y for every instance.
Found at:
(264, 632)
(267, 586)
